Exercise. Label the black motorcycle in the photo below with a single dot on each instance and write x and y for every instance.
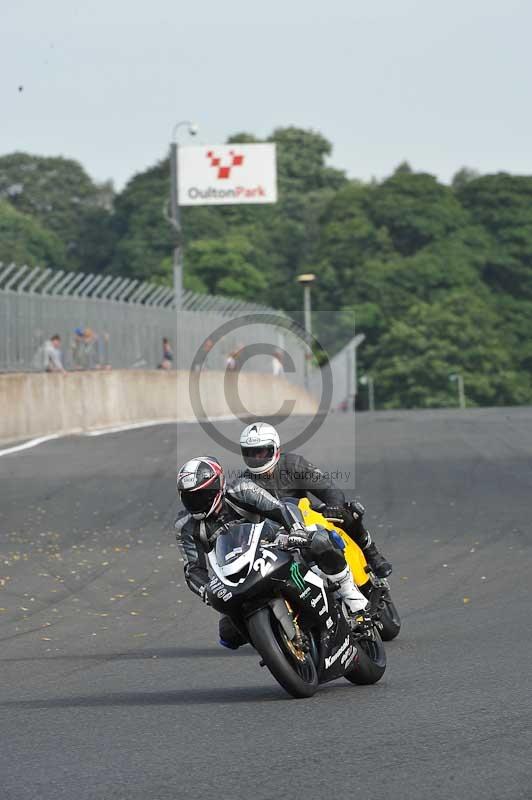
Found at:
(288, 612)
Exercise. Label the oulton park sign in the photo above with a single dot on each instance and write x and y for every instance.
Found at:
(226, 174)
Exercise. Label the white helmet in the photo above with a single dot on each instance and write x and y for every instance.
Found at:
(261, 447)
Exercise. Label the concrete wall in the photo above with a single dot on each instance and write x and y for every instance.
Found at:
(40, 404)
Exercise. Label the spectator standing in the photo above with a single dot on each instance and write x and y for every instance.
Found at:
(76, 347)
(168, 355)
(277, 363)
(52, 356)
(208, 344)
(91, 349)
(206, 348)
(233, 360)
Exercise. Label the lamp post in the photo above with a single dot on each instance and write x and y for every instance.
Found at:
(175, 217)
(367, 380)
(351, 366)
(306, 280)
(456, 376)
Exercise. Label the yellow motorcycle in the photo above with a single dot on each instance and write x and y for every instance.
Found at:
(377, 590)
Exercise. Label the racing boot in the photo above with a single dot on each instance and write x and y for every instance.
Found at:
(349, 593)
(380, 566)
(354, 526)
(230, 636)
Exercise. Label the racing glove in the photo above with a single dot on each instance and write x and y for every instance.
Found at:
(341, 514)
(334, 514)
(356, 509)
(297, 536)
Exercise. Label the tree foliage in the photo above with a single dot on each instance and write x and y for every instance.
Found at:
(57, 192)
(24, 241)
(438, 277)
(415, 209)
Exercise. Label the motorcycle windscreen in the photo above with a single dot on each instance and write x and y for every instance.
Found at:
(238, 539)
(233, 543)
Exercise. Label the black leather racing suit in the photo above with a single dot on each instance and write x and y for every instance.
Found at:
(245, 501)
(294, 476)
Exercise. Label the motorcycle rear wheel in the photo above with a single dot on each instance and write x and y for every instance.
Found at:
(370, 664)
(298, 678)
(389, 618)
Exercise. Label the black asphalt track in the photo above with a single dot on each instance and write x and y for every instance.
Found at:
(112, 684)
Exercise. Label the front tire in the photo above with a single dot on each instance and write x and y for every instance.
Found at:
(298, 678)
(370, 664)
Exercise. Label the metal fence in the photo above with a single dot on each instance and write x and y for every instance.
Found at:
(123, 323)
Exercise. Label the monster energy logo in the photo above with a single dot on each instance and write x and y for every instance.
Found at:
(295, 574)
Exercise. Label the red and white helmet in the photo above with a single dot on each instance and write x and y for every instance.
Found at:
(261, 447)
(201, 484)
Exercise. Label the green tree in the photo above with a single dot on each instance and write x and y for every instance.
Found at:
(348, 242)
(414, 358)
(144, 238)
(57, 192)
(301, 163)
(415, 209)
(502, 204)
(514, 327)
(463, 177)
(225, 266)
(24, 241)
(97, 240)
(439, 278)
(283, 237)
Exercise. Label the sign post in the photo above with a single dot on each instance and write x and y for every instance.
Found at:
(206, 175)
(176, 221)
(175, 217)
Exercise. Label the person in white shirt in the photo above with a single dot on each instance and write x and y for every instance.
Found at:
(277, 363)
(52, 357)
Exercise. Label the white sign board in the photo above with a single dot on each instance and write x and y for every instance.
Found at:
(229, 173)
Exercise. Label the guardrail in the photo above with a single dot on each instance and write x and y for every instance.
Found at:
(36, 405)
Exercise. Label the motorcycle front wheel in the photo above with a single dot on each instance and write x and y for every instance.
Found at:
(297, 675)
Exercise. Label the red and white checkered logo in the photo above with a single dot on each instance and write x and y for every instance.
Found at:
(223, 166)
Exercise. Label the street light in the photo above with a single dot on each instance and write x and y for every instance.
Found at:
(456, 376)
(351, 367)
(306, 280)
(175, 218)
(367, 380)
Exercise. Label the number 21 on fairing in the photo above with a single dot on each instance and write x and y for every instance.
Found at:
(261, 564)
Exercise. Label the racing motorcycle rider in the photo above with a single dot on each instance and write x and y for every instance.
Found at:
(213, 506)
(291, 475)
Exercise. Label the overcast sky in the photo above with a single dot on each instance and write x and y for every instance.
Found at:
(441, 83)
